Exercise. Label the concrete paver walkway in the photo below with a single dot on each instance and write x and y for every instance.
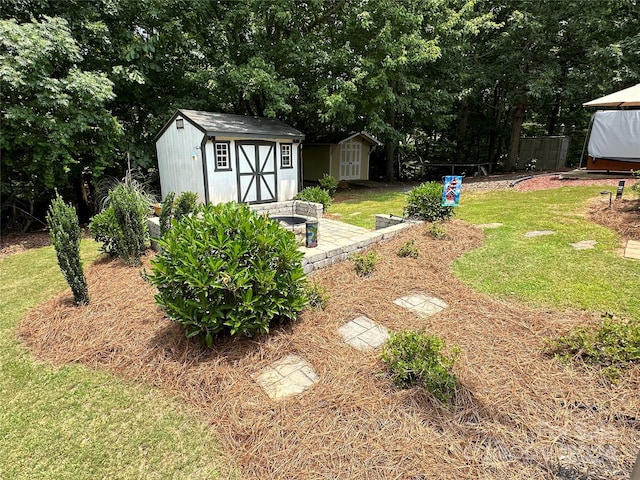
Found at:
(286, 377)
(363, 333)
(538, 233)
(422, 305)
(632, 249)
(584, 245)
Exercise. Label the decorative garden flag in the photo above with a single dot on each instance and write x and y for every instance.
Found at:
(451, 191)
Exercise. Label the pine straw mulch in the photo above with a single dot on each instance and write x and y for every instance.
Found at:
(519, 414)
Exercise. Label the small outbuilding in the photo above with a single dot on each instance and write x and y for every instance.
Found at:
(344, 156)
(614, 133)
(224, 157)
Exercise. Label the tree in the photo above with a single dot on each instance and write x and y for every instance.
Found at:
(56, 129)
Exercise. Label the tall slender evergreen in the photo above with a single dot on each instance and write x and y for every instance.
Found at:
(65, 233)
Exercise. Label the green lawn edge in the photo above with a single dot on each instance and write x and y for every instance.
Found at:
(75, 423)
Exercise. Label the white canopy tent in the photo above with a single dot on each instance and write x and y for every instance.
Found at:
(615, 135)
(629, 97)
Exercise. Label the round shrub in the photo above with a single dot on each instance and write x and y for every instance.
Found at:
(315, 195)
(425, 202)
(329, 183)
(416, 359)
(228, 270)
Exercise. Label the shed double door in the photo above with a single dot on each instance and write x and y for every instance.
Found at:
(350, 161)
(257, 175)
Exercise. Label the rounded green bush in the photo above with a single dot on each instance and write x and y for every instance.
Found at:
(315, 195)
(425, 203)
(228, 270)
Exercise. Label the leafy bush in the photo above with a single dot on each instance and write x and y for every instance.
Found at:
(635, 188)
(364, 263)
(425, 202)
(185, 204)
(104, 229)
(65, 233)
(409, 249)
(612, 346)
(167, 212)
(417, 360)
(437, 231)
(329, 183)
(228, 270)
(315, 195)
(124, 230)
(316, 294)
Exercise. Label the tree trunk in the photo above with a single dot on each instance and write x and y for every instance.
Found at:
(390, 147)
(517, 118)
(461, 130)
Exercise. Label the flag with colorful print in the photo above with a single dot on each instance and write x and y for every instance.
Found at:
(451, 191)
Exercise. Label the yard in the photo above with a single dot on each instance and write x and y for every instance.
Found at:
(519, 413)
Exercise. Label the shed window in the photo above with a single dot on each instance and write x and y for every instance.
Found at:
(179, 123)
(222, 156)
(285, 156)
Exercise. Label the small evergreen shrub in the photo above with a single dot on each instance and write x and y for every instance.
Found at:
(65, 234)
(315, 195)
(409, 249)
(364, 263)
(425, 203)
(611, 347)
(317, 296)
(329, 183)
(228, 270)
(635, 188)
(167, 212)
(122, 226)
(104, 229)
(418, 360)
(185, 204)
(437, 231)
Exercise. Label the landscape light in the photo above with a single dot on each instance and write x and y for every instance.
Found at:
(605, 192)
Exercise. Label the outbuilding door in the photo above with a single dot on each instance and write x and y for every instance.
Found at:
(257, 176)
(350, 161)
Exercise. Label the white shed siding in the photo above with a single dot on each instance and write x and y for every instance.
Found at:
(179, 170)
(287, 177)
(223, 185)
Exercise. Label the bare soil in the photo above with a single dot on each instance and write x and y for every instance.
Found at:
(518, 414)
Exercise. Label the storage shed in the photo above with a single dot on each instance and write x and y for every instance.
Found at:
(344, 156)
(224, 157)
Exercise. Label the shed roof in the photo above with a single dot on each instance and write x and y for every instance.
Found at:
(226, 124)
(341, 137)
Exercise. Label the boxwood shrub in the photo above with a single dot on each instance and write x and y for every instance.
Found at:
(425, 203)
(228, 270)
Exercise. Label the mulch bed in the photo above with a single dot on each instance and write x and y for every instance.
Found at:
(519, 414)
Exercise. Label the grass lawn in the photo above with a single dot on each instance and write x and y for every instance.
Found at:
(541, 271)
(75, 423)
(359, 207)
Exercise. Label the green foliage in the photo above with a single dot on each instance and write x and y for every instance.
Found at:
(364, 264)
(185, 204)
(56, 127)
(635, 188)
(315, 195)
(329, 183)
(104, 229)
(65, 234)
(317, 295)
(228, 270)
(166, 213)
(122, 227)
(419, 360)
(437, 231)
(409, 249)
(425, 202)
(612, 346)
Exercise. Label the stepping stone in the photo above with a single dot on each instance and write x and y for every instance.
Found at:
(584, 244)
(363, 333)
(538, 233)
(289, 376)
(632, 250)
(489, 225)
(422, 305)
